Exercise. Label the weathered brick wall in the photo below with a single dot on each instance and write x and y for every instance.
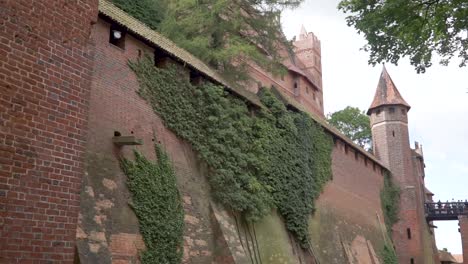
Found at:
(108, 229)
(349, 210)
(45, 73)
(463, 222)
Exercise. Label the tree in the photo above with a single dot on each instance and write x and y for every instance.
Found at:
(224, 34)
(413, 28)
(354, 123)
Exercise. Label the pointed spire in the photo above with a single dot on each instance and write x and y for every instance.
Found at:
(387, 93)
(303, 33)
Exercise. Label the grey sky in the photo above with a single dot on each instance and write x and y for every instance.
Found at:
(438, 118)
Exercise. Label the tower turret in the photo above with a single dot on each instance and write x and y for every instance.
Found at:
(389, 125)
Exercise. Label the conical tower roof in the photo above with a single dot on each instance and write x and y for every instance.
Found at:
(387, 93)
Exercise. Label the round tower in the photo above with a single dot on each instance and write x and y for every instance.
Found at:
(389, 125)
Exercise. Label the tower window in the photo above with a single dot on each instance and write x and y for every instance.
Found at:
(307, 89)
(117, 36)
(392, 110)
(412, 260)
(378, 112)
(313, 95)
(408, 232)
(393, 133)
(356, 155)
(346, 149)
(403, 111)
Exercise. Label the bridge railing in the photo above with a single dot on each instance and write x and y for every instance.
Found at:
(445, 211)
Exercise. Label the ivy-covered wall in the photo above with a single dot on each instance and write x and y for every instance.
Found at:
(109, 228)
(260, 159)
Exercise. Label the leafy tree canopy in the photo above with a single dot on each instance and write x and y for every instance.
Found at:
(354, 123)
(411, 28)
(220, 32)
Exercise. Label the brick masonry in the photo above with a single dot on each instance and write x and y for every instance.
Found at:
(463, 222)
(391, 145)
(65, 92)
(45, 78)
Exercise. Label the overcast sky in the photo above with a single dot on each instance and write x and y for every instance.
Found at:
(439, 101)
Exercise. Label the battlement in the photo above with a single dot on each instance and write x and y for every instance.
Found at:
(307, 40)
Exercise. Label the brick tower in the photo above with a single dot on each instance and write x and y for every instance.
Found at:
(45, 82)
(389, 124)
(307, 50)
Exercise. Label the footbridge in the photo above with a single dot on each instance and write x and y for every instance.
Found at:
(445, 211)
(451, 211)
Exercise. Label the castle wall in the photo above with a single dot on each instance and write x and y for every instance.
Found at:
(108, 229)
(305, 93)
(349, 210)
(45, 77)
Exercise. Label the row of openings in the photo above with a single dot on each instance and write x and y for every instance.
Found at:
(296, 92)
(392, 111)
(117, 38)
(356, 156)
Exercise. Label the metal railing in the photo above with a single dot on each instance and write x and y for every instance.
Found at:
(445, 211)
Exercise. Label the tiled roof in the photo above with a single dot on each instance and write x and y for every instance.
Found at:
(133, 25)
(136, 27)
(446, 257)
(387, 93)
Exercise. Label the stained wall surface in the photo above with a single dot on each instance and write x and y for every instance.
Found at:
(108, 229)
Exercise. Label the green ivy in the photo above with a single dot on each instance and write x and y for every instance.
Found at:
(157, 204)
(151, 12)
(260, 159)
(390, 199)
(389, 255)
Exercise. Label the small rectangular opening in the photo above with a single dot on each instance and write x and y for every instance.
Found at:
(117, 36)
(346, 148)
(412, 260)
(195, 78)
(356, 155)
(408, 233)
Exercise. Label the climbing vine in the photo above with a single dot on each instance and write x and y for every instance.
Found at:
(157, 204)
(259, 158)
(390, 199)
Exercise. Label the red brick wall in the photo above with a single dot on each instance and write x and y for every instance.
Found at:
(108, 228)
(45, 73)
(349, 207)
(391, 145)
(463, 222)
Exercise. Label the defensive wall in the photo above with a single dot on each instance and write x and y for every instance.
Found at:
(67, 91)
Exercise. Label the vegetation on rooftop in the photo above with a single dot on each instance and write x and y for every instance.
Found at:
(222, 33)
